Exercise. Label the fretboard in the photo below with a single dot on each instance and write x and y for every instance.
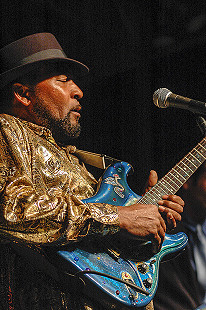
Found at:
(177, 176)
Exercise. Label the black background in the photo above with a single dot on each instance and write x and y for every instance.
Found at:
(132, 48)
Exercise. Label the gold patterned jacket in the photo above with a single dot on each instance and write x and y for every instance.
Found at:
(42, 186)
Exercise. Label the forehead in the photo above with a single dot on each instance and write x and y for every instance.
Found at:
(54, 68)
(44, 72)
(51, 70)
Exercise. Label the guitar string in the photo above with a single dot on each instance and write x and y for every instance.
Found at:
(180, 176)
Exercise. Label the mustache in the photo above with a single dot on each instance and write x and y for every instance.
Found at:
(76, 108)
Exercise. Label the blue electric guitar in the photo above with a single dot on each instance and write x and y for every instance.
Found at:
(128, 278)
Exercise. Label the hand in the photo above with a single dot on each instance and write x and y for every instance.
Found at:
(170, 206)
(140, 221)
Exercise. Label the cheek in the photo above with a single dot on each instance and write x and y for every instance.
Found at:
(54, 102)
(54, 98)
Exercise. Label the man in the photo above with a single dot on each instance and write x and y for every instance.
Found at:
(182, 283)
(43, 183)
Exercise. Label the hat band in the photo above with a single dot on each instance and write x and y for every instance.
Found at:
(42, 55)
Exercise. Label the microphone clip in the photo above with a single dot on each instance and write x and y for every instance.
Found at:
(201, 122)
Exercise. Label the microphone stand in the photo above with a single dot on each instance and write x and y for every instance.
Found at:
(202, 124)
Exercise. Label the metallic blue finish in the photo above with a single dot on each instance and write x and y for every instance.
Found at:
(115, 190)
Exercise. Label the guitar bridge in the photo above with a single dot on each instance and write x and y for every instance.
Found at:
(128, 278)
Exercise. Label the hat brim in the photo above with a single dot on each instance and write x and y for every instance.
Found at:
(73, 67)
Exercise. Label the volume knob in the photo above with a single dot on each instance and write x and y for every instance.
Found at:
(143, 268)
(148, 282)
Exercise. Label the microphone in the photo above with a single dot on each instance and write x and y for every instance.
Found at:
(164, 98)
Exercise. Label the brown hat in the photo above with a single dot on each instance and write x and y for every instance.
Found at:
(26, 54)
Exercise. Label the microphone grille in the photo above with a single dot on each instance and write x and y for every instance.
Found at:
(160, 97)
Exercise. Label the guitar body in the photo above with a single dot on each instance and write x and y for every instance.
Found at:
(143, 273)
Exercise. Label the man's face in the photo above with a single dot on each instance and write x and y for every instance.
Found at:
(55, 105)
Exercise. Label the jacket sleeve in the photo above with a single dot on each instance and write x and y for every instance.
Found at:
(36, 212)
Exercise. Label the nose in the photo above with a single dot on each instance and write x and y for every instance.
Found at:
(76, 92)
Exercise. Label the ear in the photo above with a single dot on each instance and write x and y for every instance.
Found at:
(21, 93)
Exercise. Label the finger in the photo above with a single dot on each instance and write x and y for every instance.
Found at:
(163, 225)
(171, 220)
(158, 240)
(162, 229)
(171, 213)
(156, 244)
(174, 198)
(171, 205)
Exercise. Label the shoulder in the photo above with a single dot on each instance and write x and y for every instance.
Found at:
(9, 123)
(12, 130)
(9, 120)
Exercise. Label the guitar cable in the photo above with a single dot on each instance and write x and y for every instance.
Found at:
(134, 286)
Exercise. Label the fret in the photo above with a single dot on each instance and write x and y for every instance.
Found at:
(150, 197)
(178, 175)
(185, 173)
(157, 192)
(201, 149)
(171, 179)
(154, 195)
(164, 188)
(201, 145)
(200, 156)
(187, 167)
(145, 200)
(196, 158)
(191, 164)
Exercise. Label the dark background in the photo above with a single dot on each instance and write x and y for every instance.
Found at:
(132, 47)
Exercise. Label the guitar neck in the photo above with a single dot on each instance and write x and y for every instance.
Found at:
(177, 176)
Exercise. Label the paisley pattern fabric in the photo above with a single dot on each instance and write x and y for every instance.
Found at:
(41, 188)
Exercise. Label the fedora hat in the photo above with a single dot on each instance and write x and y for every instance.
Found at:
(28, 53)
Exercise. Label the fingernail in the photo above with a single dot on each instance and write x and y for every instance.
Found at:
(161, 208)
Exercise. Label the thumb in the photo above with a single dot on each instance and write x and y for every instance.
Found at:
(152, 180)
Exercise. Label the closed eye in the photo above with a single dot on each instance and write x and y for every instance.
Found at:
(64, 78)
(64, 81)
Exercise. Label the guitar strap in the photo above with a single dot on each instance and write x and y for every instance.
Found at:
(36, 257)
(97, 160)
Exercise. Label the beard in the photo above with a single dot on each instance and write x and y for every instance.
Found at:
(62, 129)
